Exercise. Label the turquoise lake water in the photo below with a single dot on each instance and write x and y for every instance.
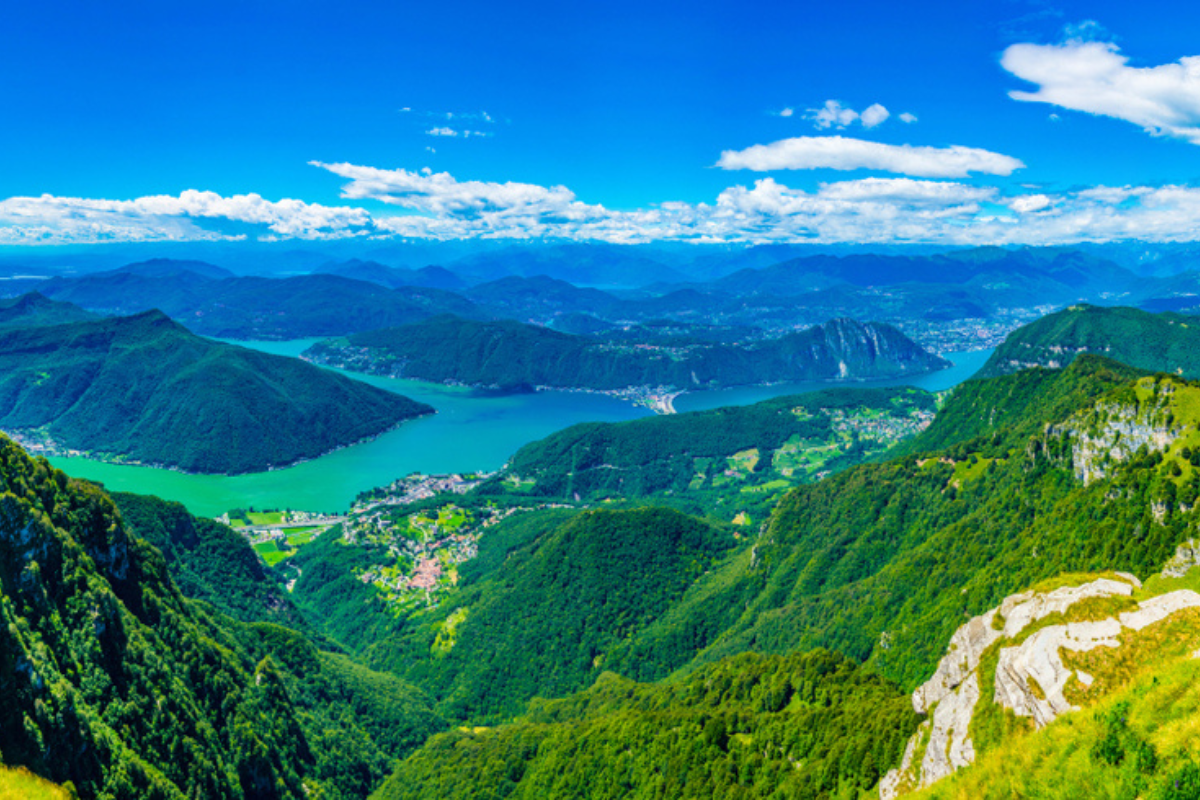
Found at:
(471, 432)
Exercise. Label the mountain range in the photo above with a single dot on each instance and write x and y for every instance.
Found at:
(509, 355)
(986, 592)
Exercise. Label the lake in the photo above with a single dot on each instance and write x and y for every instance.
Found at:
(471, 432)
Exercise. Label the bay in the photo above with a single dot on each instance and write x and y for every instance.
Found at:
(472, 432)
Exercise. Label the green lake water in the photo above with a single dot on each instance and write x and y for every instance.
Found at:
(471, 432)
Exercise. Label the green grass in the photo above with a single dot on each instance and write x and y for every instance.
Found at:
(965, 471)
(300, 536)
(271, 553)
(266, 517)
(21, 784)
(769, 486)
(1162, 707)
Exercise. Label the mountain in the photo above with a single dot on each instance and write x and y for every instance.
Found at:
(170, 267)
(114, 682)
(509, 354)
(1153, 342)
(34, 310)
(541, 297)
(143, 388)
(256, 307)
(591, 264)
(739, 457)
(803, 725)
(541, 624)
(431, 277)
(995, 275)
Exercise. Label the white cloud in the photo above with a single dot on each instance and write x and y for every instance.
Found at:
(442, 132)
(873, 115)
(834, 115)
(787, 112)
(49, 219)
(841, 153)
(1096, 78)
(432, 204)
(908, 118)
(1029, 203)
(907, 190)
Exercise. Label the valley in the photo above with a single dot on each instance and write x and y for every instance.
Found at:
(584, 566)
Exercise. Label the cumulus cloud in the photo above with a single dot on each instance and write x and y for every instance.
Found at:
(49, 219)
(908, 118)
(873, 115)
(443, 131)
(834, 115)
(1095, 77)
(428, 204)
(1029, 203)
(842, 153)
(787, 112)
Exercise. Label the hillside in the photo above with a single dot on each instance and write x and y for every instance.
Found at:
(509, 354)
(33, 310)
(1042, 655)
(1152, 342)
(252, 307)
(883, 562)
(540, 626)
(209, 561)
(144, 389)
(737, 457)
(804, 725)
(114, 682)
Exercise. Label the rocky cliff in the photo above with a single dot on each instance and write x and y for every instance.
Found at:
(1039, 655)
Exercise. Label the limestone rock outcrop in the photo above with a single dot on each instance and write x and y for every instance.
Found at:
(1030, 676)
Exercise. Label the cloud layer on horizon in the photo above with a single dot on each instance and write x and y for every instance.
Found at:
(436, 205)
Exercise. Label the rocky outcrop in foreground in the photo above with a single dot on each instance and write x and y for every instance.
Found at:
(1014, 654)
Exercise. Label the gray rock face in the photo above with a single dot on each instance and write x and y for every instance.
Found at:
(1187, 555)
(1114, 431)
(1031, 676)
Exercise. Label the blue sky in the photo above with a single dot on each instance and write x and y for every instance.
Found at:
(956, 122)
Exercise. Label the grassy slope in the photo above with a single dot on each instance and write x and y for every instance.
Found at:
(21, 784)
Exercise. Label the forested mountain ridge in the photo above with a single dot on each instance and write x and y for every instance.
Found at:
(510, 354)
(1163, 342)
(881, 562)
(253, 307)
(738, 457)
(113, 681)
(33, 310)
(145, 389)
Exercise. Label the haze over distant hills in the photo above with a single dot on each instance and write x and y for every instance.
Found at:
(948, 299)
